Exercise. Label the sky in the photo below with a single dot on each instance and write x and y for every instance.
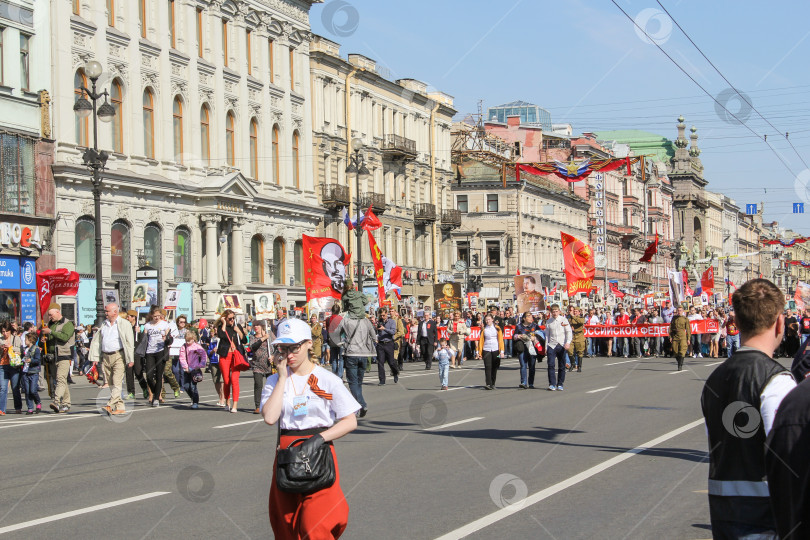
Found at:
(588, 64)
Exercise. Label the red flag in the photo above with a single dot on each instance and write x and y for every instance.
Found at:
(651, 250)
(553, 291)
(580, 266)
(614, 289)
(325, 263)
(371, 222)
(379, 271)
(707, 280)
(686, 289)
(59, 282)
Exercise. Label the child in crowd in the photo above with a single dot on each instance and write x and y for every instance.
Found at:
(444, 354)
(193, 359)
(31, 367)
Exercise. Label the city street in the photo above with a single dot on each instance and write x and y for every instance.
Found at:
(621, 453)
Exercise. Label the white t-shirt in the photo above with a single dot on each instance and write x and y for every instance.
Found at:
(320, 412)
(154, 333)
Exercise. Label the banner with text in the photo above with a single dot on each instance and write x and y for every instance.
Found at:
(706, 326)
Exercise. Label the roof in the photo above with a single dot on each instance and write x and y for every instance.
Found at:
(514, 104)
(641, 142)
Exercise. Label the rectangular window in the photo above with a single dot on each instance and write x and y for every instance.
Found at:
(142, 16)
(248, 53)
(292, 68)
(17, 174)
(270, 60)
(25, 69)
(199, 32)
(225, 40)
(493, 253)
(172, 34)
(2, 50)
(464, 252)
(462, 204)
(492, 202)
(111, 12)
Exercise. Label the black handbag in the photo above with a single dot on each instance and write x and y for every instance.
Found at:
(518, 347)
(297, 473)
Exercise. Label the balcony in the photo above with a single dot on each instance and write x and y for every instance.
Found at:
(425, 213)
(375, 200)
(334, 196)
(397, 147)
(451, 219)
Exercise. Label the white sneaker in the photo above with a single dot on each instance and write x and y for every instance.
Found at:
(156, 403)
(700, 355)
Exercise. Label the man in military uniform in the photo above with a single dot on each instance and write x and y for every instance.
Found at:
(578, 342)
(679, 334)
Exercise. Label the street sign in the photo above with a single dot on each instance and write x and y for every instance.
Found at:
(750, 209)
(798, 208)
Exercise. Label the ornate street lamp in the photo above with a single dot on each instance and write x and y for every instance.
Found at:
(357, 166)
(96, 161)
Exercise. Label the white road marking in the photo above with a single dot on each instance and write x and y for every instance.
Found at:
(451, 424)
(624, 362)
(462, 387)
(676, 372)
(600, 389)
(535, 498)
(714, 363)
(239, 423)
(79, 512)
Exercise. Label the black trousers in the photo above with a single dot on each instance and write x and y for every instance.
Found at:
(492, 361)
(259, 380)
(426, 348)
(155, 364)
(385, 355)
(133, 372)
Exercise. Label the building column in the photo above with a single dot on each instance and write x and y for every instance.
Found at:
(238, 258)
(211, 286)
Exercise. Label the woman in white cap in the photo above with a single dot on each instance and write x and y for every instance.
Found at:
(309, 402)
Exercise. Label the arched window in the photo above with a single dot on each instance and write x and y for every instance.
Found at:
(182, 254)
(152, 245)
(276, 174)
(254, 149)
(279, 261)
(119, 248)
(295, 165)
(82, 124)
(257, 259)
(229, 139)
(85, 246)
(298, 261)
(148, 124)
(117, 99)
(177, 127)
(205, 135)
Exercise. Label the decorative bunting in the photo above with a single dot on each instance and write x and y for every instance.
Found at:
(574, 171)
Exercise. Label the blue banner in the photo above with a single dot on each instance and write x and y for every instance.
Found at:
(86, 300)
(185, 301)
(9, 272)
(28, 307)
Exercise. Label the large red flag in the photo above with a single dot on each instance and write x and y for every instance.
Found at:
(686, 289)
(707, 280)
(371, 222)
(651, 250)
(379, 271)
(325, 263)
(580, 266)
(59, 282)
(614, 289)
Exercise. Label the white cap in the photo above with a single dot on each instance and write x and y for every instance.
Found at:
(292, 331)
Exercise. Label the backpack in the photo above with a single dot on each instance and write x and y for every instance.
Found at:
(331, 330)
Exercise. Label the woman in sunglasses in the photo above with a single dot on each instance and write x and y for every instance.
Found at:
(230, 337)
(309, 402)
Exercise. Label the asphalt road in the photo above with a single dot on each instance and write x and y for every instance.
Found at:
(621, 453)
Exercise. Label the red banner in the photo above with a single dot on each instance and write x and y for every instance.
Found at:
(652, 249)
(59, 282)
(379, 271)
(705, 326)
(324, 267)
(444, 333)
(508, 332)
(580, 266)
(707, 281)
(475, 334)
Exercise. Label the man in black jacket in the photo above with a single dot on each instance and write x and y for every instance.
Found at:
(739, 401)
(428, 337)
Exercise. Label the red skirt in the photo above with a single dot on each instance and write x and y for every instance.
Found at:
(323, 515)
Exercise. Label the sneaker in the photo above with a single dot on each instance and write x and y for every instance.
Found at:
(64, 408)
(176, 394)
(2, 413)
(522, 387)
(118, 412)
(363, 412)
(145, 393)
(156, 403)
(131, 396)
(55, 407)
(195, 406)
(396, 379)
(531, 386)
(559, 388)
(552, 387)
(39, 408)
(30, 411)
(444, 388)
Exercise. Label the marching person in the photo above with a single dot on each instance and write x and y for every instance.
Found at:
(427, 337)
(358, 346)
(60, 338)
(30, 372)
(260, 361)
(155, 333)
(577, 340)
(458, 332)
(230, 337)
(751, 382)
(491, 349)
(527, 354)
(137, 369)
(317, 338)
(732, 335)
(192, 358)
(10, 374)
(307, 401)
(679, 333)
(444, 355)
(558, 341)
(113, 345)
(386, 330)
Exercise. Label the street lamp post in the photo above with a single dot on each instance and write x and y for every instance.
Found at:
(357, 165)
(96, 161)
